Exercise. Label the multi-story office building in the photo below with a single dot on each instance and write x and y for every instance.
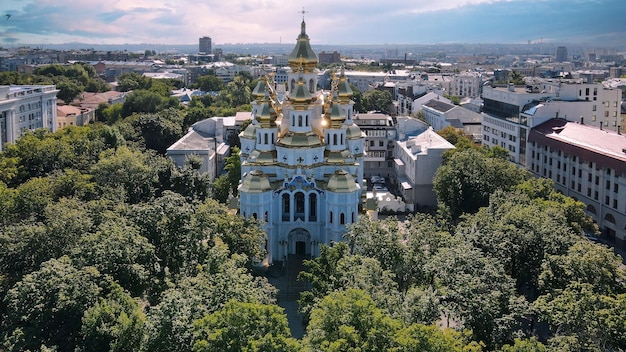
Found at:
(204, 45)
(561, 54)
(587, 164)
(26, 108)
(510, 112)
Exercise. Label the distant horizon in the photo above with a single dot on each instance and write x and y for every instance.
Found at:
(237, 22)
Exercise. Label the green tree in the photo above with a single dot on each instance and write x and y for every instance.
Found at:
(350, 321)
(209, 83)
(160, 130)
(478, 295)
(467, 178)
(584, 320)
(222, 278)
(431, 338)
(377, 100)
(525, 345)
(46, 306)
(242, 326)
(114, 323)
(117, 249)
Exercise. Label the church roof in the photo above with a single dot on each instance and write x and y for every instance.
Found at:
(302, 54)
(255, 182)
(342, 182)
(250, 131)
(296, 140)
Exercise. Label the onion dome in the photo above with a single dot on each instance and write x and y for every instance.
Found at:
(250, 131)
(342, 182)
(301, 94)
(353, 131)
(345, 92)
(259, 91)
(266, 113)
(336, 117)
(255, 181)
(302, 54)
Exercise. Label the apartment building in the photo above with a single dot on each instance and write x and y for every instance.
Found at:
(466, 84)
(380, 132)
(587, 164)
(509, 112)
(26, 108)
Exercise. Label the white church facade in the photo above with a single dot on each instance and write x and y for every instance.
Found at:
(301, 159)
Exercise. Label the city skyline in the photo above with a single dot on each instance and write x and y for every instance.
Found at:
(371, 22)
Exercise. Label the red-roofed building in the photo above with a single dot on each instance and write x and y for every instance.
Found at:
(587, 164)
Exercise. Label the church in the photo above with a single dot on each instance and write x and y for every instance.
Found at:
(301, 159)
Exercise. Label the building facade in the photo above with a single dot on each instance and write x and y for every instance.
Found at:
(301, 160)
(26, 108)
(587, 164)
(204, 45)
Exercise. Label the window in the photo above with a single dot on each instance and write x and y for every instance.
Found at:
(597, 180)
(573, 171)
(312, 207)
(381, 143)
(615, 203)
(615, 188)
(588, 192)
(286, 207)
(342, 219)
(330, 217)
(608, 184)
(299, 199)
(595, 195)
(606, 200)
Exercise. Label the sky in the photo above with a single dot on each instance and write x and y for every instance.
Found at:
(330, 22)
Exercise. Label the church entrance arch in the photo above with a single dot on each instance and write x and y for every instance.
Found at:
(299, 242)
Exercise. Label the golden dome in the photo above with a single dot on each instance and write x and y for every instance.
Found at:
(353, 131)
(301, 94)
(259, 91)
(345, 92)
(342, 182)
(250, 131)
(302, 54)
(255, 182)
(266, 114)
(336, 117)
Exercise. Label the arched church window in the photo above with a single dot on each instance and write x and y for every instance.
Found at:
(254, 216)
(311, 86)
(342, 219)
(330, 218)
(334, 139)
(286, 204)
(306, 120)
(299, 120)
(312, 207)
(299, 199)
(341, 135)
(266, 138)
(293, 85)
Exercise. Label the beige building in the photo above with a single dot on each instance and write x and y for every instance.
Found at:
(587, 164)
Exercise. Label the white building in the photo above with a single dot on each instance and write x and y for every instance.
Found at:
(380, 133)
(26, 108)
(417, 160)
(206, 139)
(587, 164)
(441, 115)
(466, 84)
(301, 160)
(510, 112)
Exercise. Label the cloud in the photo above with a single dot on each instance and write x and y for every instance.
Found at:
(328, 22)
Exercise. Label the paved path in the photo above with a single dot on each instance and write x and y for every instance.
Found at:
(285, 279)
